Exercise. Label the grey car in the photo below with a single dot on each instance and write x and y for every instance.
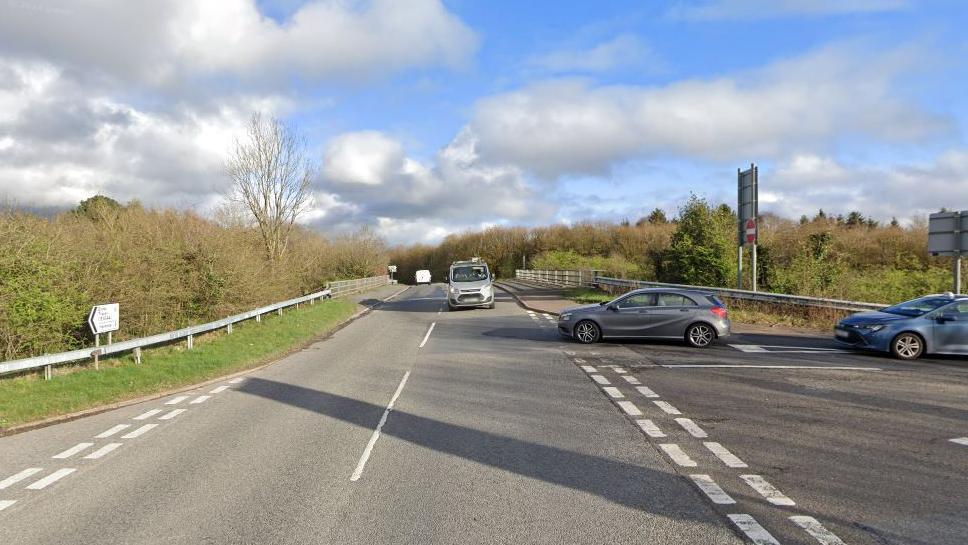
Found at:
(696, 317)
(932, 324)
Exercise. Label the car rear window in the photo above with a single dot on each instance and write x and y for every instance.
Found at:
(716, 301)
(675, 300)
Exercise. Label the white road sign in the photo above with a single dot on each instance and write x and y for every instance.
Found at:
(392, 268)
(104, 318)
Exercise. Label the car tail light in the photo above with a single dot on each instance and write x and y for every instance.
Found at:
(721, 312)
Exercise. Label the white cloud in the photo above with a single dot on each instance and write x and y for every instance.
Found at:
(164, 41)
(366, 157)
(622, 51)
(815, 101)
(768, 9)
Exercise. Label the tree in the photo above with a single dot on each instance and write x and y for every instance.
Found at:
(98, 207)
(701, 249)
(271, 176)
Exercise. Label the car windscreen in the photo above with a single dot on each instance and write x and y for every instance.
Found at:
(917, 307)
(469, 273)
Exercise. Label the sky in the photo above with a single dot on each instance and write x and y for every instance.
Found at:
(429, 117)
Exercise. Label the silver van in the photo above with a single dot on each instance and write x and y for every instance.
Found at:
(469, 284)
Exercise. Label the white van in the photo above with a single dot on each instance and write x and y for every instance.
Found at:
(423, 276)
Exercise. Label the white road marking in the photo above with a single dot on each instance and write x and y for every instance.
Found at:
(112, 431)
(960, 441)
(140, 431)
(650, 428)
(172, 414)
(646, 391)
(200, 399)
(629, 408)
(741, 366)
(748, 348)
(588, 369)
(6, 503)
(601, 380)
(358, 472)
(147, 415)
(780, 349)
(667, 407)
(757, 534)
(102, 451)
(14, 479)
(728, 458)
(619, 370)
(176, 400)
(577, 360)
(767, 490)
(220, 389)
(716, 494)
(569, 353)
(236, 380)
(631, 380)
(548, 316)
(691, 427)
(613, 392)
(677, 455)
(73, 450)
(427, 336)
(51, 479)
(815, 529)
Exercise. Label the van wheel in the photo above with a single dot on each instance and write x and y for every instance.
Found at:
(700, 335)
(907, 346)
(587, 332)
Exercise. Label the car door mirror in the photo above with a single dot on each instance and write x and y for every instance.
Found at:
(613, 308)
(948, 317)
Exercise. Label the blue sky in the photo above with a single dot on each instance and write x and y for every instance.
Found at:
(431, 117)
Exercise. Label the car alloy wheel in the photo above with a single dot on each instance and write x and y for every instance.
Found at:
(907, 346)
(586, 332)
(700, 335)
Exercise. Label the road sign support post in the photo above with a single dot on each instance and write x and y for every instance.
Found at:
(97, 340)
(957, 273)
(110, 338)
(753, 259)
(739, 269)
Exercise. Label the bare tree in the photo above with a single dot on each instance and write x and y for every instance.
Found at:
(271, 176)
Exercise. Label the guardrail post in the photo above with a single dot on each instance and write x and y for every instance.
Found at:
(258, 317)
(228, 329)
(279, 311)
(97, 363)
(190, 341)
(137, 355)
(48, 372)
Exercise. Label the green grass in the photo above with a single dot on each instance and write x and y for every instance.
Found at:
(588, 296)
(30, 398)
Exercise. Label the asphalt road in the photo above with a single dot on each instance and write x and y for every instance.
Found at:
(501, 432)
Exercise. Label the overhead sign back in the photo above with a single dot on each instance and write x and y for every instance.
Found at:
(104, 318)
(948, 233)
(747, 203)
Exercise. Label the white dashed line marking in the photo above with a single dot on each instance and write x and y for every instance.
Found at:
(727, 457)
(6, 503)
(620, 370)
(102, 451)
(427, 336)
(650, 428)
(691, 427)
(570, 353)
(147, 415)
(200, 399)
(742, 366)
(12, 480)
(73, 450)
(665, 406)
(588, 369)
(960, 441)
(219, 390)
(51, 479)
(358, 472)
(112, 431)
(677, 455)
(601, 380)
(140, 431)
(712, 490)
(579, 360)
(767, 490)
(172, 414)
(646, 391)
(757, 534)
(613, 392)
(631, 380)
(176, 400)
(815, 529)
(629, 408)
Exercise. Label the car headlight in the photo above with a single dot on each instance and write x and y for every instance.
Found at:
(564, 317)
(486, 291)
(873, 328)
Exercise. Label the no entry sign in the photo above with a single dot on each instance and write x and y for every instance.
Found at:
(751, 231)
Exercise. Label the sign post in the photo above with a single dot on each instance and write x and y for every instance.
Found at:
(392, 269)
(948, 235)
(747, 210)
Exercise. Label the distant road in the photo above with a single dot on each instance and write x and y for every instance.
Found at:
(418, 425)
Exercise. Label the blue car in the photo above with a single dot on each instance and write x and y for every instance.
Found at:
(936, 324)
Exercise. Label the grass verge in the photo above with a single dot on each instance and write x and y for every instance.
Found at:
(30, 398)
(588, 296)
